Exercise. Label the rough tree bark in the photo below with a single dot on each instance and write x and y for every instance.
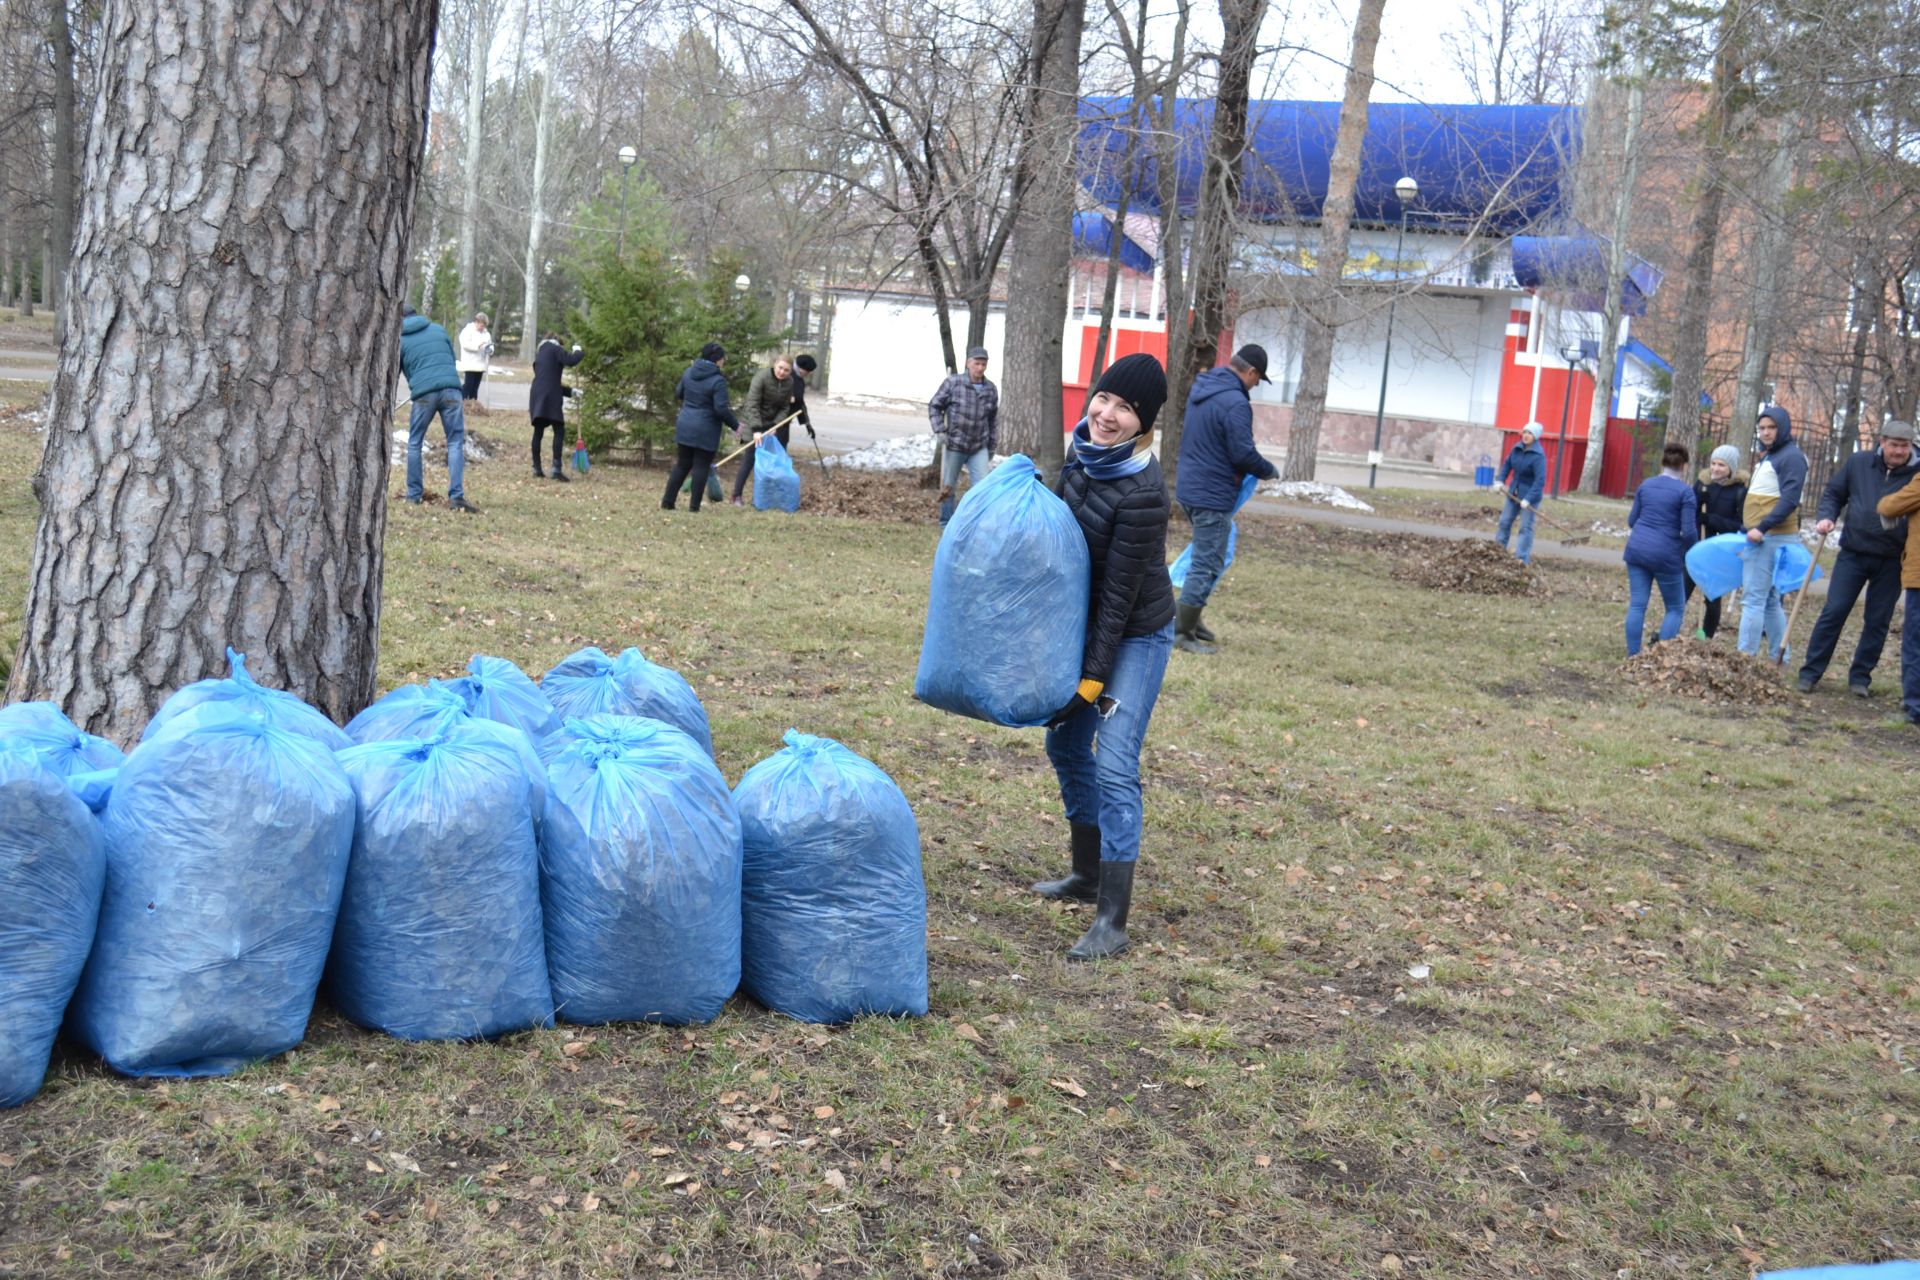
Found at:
(64, 178)
(1623, 181)
(1218, 215)
(1042, 247)
(479, 42)
(537, 218)
(215, 468)
(1696, 300)
(1168, 247)
(1325, 295)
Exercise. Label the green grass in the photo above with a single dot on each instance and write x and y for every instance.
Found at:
(1671, 971)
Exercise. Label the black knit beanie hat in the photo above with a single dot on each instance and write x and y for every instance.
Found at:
(1140, 381)
(713, 351)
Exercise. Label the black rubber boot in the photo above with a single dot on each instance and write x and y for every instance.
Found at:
(1201, 631)
(1108, 934)
(1185, 635)
(1082, 884)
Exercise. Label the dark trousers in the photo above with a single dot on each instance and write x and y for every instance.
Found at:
(746, 462)
(540, 427)
(1910, 657)
(688, 460)
(470, 384)
(1879, 577)
(1712, 624)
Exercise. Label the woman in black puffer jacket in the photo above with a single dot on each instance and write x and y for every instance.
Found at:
(1114, 485)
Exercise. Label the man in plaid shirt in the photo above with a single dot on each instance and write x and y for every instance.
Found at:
(965, 413)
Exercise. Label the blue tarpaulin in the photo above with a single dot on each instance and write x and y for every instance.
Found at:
(1577, 264)
(1502, 168)
(1093, 235)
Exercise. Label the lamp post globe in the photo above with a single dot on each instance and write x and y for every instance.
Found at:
(628, 155)
(1406, 190)
(742, 282)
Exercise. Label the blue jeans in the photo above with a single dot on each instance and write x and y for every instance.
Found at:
(1910, 657)
(1673, 595)
(976, 462)
(1879, 577)
(1100, 783)
(1524, 547)
(453, 421)
(1761, 615)
(1210, 530)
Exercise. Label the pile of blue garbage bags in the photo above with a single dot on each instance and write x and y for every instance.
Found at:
(466, 859)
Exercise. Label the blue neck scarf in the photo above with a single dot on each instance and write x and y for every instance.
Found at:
(1110, 462)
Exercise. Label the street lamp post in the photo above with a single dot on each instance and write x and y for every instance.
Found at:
(627, 157)
(1406, 191)
(1571, 354)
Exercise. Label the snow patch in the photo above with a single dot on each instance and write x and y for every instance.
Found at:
(902, 453)
(1315, 491)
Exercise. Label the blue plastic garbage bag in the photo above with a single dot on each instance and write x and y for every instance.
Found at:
(1182, 562)
(589, 683)
(776, 484)
(640, 877)
(282, 708)
(412, 711)
(607, 729)
(1855, 1271)
(833, 904)
(495, 689)
(227, 842)
(52, 871)
(1714, 565)
(1007, 614)
(61, 745)
(440, 935)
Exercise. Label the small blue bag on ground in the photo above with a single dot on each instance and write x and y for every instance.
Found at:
(776, 484)
(227, 842)
(833, 902)
(589, 683)
(639, 877)
(280, 707)
(440, 935)
(53, 869)
(60, 744)
(1007, 615)
(497, 690)
(1184, 561)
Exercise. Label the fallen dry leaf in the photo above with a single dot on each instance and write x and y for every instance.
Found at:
(678, 1179)
(576, 1048)
(835, 1179)
(327, 1104)
(1391, 1264)
(374, 1168)
(823, 1113)
(966, 1031)
(590, 1204)
(1070, 1087)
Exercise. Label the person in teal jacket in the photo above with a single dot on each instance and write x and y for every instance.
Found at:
(433, 380)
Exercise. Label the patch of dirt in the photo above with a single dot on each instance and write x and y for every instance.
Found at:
(1473, 565)
(867, 495)
(1691, 669)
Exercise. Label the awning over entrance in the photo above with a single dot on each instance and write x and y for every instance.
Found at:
(1576, 267)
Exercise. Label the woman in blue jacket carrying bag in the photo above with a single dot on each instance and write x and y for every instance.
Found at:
(1664, 522)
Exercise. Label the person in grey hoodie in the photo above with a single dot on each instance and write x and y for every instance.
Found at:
(702, 394)
(1869, 556)
(1772, 517)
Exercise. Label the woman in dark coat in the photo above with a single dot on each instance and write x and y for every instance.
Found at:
(702, 394)
(547, 402)
(1722, 494)
(1114, 486)
(1660, 528)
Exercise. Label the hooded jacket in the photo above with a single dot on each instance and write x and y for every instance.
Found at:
(1216, 443)
(547, 401)
(1721, 506)
(426, 357)
(1527, 464)
(1773, 495)
(1856, 489)
(702, 393)
(769, 400)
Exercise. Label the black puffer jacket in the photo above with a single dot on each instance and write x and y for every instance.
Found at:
(1125, 522)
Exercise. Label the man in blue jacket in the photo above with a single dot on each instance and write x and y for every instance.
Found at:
(433, 380)
(1216, 451)
(1869, 557)
(1523, 478)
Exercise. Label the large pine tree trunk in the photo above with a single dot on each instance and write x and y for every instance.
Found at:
(215, 468)
(1042, 249)
(1325, 296)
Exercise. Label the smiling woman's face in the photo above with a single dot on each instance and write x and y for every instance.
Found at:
(1111, 419)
